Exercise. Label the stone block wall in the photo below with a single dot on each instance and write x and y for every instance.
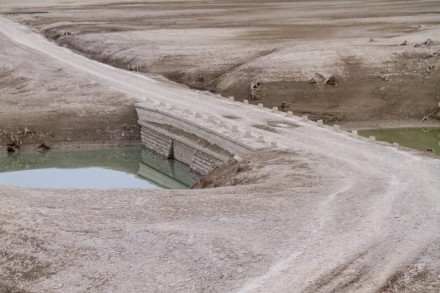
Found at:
(157, 142)
(199, 161)
(167, 173)
(202, 163)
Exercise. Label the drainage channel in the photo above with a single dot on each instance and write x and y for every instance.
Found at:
(94, 168)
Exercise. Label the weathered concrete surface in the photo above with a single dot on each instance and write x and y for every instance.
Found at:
(209, 127)
(324, 212)
(177, 136)
(200, 160)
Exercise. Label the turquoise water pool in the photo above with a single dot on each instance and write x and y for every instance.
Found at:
(95, 168)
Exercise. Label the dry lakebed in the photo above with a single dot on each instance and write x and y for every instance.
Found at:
(302, 201)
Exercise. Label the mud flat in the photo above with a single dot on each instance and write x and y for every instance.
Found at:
(321, 211)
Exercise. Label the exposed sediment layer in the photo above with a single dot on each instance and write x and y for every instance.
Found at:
(322, 212)
(382, 57)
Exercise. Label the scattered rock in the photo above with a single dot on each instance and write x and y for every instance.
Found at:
(429, 70)
(434, 112)
(132, 68)
(254, 91)
(255, 85)
(404, 43)
(11, 149)
(428, 42)
(384, 77)
(427, 56)
(284, 105)
(320, 76)
(331, 81)
(238, 159)
(327, 117)
(44, 146)
(26, 131)
(312, 81)
(14, 144)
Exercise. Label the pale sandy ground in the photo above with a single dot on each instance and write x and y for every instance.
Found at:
(223, 46)
(323, 213)
(57, 104)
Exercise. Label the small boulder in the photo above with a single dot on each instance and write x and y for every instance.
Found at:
(428, 42)
(44, 146)
(11, 149)
(331, 81)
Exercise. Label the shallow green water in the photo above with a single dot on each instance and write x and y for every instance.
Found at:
(94, 168)
(417, 138)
